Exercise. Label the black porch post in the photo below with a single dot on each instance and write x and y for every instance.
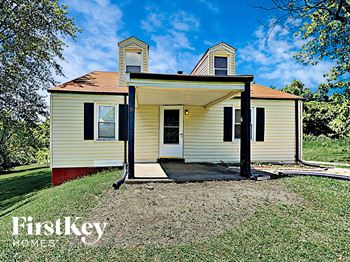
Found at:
(245, 131)
(131, 133)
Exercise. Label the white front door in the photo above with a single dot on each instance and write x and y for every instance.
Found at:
(171, 131)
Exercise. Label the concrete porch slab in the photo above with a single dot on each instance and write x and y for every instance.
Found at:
(151, 170)
(192, 172)
(178, 172)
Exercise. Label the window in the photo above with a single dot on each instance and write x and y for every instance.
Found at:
(237, 128)
(133, 62)
(220, 65)
(106, 122)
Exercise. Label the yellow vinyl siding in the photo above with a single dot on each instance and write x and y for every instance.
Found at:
(131, 44)
(68, 147)
(203, 133)
(206, 64)
(146, 133)
(203, 67)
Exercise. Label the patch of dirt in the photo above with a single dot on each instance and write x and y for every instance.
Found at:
(164, 214)
(291, 167)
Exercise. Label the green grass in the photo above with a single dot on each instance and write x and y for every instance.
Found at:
(317, 229)
(73, 199)
(21, 185)
(325, 149)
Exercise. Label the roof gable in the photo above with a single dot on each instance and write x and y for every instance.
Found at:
(221, 46)
(133, 40)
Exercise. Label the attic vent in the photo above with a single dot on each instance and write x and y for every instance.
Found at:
(180, 72)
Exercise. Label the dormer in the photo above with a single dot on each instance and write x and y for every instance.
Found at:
(133, 57)
(217, 60)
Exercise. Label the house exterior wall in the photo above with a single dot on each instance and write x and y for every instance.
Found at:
(203, 133)
(203, 67)
(146, 133)
(68, 147)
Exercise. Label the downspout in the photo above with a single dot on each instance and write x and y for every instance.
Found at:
(297, 141)
(125, 141)
(116, 185)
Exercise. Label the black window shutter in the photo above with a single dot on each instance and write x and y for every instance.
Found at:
(260, 124)
(123, 122)
(88, 121)
(227, 124)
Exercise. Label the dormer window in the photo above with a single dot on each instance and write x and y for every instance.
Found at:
(133, 62)
(220, 66)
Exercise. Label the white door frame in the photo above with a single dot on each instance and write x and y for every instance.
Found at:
(171, 150)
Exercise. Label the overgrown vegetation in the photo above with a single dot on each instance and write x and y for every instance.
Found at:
(324, 113)
(325, 149)
(315, 229)
(24, 143)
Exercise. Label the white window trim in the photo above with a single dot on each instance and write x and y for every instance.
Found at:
(133, 51)
(253, 121)
(116, 125)
(228, 63)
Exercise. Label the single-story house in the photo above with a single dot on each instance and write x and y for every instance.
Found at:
(106, 119)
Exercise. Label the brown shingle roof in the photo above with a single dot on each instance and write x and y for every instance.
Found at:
(94, 82)
(259, 91)
(107, 83)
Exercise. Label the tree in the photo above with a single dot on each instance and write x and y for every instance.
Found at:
(298, 88)
(323, 114)
(325, 27)
(32, 35)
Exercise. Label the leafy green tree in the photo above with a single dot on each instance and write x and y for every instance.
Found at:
(340, 124)
(316, 118)
(325, 27)
(324, 114)
(298, 88)
(42, 142)
(32, 35)
(321, 94)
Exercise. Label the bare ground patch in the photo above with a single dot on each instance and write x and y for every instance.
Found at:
(164, 214)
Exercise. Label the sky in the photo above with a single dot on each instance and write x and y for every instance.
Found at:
(179, 32)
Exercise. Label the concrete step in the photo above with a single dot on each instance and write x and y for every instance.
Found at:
(145, 180)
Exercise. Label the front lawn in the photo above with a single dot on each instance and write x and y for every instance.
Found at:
(290, 219)
(20, 185)
(325, 149)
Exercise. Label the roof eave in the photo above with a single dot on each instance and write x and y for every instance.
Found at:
(86, 92)
(206, 78)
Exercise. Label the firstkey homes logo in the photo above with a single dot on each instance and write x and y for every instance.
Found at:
(26, 226)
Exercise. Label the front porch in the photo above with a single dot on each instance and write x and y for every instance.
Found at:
(179, 172)
(172, 96)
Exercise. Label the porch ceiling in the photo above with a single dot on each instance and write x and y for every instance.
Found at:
(182, 96)
(185, 90)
